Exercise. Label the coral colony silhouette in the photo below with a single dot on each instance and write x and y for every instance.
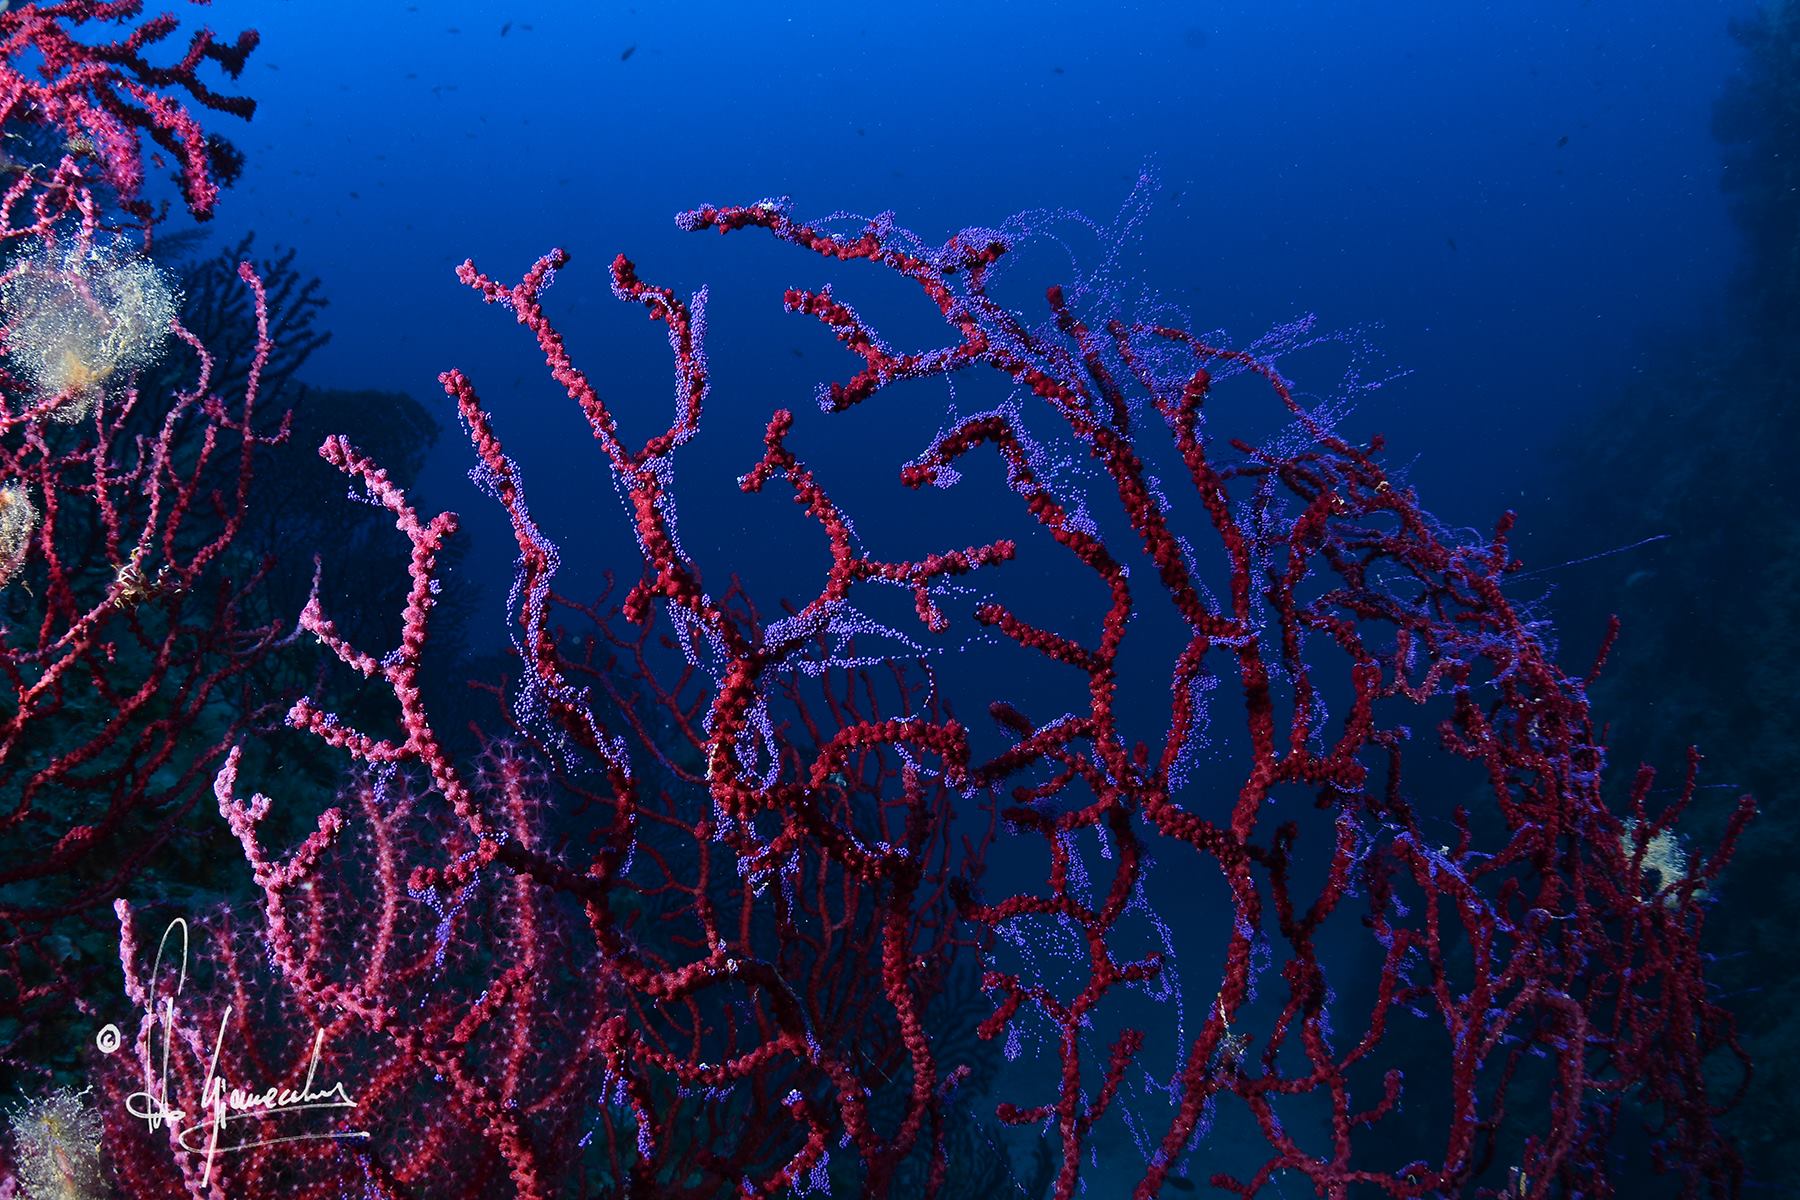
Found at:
(736, 897)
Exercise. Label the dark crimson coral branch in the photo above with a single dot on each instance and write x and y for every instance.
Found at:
(99, 100)
(124, 647)
(1575, 958)
(689, 923)
(711, 766)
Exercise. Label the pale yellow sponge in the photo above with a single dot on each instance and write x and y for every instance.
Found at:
(56, 1146)
(18, 521)
(76, 315)
(1665, 864)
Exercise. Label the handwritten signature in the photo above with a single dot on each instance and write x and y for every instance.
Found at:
(221, 1102)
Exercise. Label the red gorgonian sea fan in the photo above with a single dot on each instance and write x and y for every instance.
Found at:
(122, 640)
(685, 928)
(95, 101)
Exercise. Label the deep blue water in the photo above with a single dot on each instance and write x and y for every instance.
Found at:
(1520, 195)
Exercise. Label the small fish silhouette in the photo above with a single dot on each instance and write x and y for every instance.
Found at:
(629, 51)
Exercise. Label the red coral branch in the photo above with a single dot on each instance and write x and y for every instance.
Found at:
(686, 925)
